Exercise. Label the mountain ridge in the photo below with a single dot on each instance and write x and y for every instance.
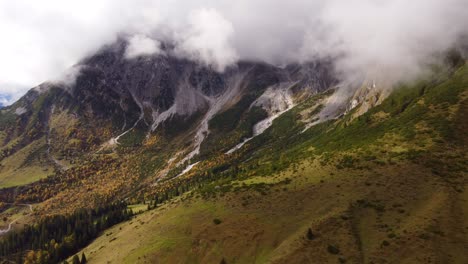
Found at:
(245, 161)
(146, 92)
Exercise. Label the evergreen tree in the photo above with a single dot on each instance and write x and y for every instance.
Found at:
(57, 237)
(83, 259)
(76, 259)
(310, 235)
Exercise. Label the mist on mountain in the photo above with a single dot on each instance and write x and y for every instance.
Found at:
(395, 37)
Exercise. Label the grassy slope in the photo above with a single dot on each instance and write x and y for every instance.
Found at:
(23, 143)
(388, 187)
(25, 166)
(20, 213)
(260, 228)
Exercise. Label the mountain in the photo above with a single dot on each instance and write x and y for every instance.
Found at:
(116, 101)
(257, 164)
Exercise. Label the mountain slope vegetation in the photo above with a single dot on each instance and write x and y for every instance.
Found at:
(235, 167)
(387, 187)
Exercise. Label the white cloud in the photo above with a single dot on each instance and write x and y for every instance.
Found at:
(141, 45)
(5, 100)
(208, 38)
(68, 77)
(398, 37)
(41, 39)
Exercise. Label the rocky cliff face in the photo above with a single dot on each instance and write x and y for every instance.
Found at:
(112, 96)
(166, 86)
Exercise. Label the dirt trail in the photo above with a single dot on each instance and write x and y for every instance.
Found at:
(4, 231)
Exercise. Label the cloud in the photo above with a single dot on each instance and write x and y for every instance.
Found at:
(68, 78)
(5, 100)
(392, 38)
(208, 39)
(41, 39)
(140, 45)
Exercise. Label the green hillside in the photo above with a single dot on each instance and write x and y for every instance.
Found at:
(387, 187)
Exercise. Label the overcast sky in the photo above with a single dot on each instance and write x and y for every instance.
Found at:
(42, 39)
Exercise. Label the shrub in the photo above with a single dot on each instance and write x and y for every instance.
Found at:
(310, 235)
(333, 250)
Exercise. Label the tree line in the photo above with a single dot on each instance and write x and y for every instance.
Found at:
(57, 237)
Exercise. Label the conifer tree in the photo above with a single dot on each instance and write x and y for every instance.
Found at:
(76, 259)
(310, 235)
(83, 258)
